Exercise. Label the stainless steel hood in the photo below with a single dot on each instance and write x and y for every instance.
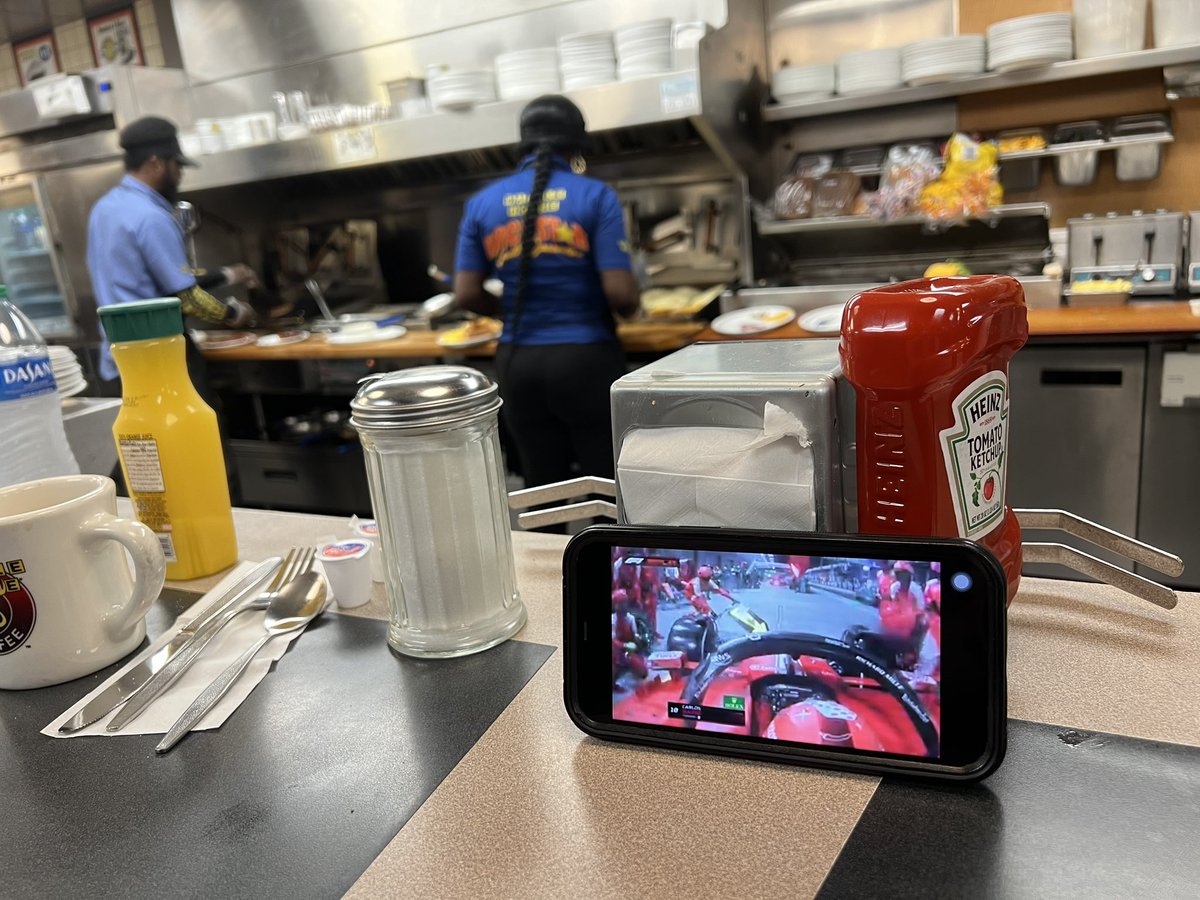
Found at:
(697, 104)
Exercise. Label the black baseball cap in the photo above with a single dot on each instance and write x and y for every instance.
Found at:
(155, 136)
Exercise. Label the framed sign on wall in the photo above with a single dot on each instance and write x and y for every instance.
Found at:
(115, 39)
(36, 58)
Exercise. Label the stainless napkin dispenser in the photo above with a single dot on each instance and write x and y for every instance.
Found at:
(751, 434)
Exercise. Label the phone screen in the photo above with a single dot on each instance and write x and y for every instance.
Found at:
(835, 652)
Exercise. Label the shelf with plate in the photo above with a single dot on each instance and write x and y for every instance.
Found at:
(666, 97)
(994, 81)
(771, 227)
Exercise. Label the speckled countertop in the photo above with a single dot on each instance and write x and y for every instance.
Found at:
(536, 809)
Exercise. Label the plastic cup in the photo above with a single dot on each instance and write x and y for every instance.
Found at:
(347, 566)
(369, 529)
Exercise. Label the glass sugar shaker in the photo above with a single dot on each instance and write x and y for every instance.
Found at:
(430, 437)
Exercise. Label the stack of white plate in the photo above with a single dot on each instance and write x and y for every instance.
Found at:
(796, 84)
(527, 73)
(587, 59)
(461, 90)
(68, 374)
(1029, 41)
(644, 49)
(867, 71)
(943, 59)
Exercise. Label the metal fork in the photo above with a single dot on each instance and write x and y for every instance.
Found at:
(296, 563)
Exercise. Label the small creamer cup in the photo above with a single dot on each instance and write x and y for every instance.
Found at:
(347, 566)
(369, 529)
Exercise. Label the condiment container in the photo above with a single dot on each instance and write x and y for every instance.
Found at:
(369, 529)
(430, 437)
(1075, 166)
(1140, 161)
(929, 363)
(1176, 23)
(1022, 173)
(1105, 27)
(347, 566)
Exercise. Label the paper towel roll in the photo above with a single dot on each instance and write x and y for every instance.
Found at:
(731, 477)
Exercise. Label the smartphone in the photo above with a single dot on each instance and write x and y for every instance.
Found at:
(854, 652)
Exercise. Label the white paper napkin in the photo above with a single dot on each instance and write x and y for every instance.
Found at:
(721, 477)
(229, 643)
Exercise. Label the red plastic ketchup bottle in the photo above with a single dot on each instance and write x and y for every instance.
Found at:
(929, 363)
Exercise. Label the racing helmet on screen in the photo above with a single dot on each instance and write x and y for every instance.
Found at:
(704, 571)
(620, 597)
(935, 567)
(903, 565)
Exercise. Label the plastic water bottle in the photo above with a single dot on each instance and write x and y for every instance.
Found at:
(33, 442)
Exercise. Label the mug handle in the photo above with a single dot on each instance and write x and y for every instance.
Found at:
(149, 568)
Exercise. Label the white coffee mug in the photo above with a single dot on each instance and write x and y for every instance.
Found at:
(68, 604)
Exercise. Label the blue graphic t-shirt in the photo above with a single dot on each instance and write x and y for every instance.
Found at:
(580, 233)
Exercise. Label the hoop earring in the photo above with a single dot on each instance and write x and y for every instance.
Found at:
(578, 164)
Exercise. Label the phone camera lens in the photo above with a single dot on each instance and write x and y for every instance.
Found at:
(961, 582)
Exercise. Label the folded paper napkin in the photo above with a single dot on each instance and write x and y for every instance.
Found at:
(229, 643)
(720, 477)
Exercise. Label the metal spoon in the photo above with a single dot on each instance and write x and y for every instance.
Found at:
(297, 604)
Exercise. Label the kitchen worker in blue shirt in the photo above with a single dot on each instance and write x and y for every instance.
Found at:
(557, 241)
(136, 246)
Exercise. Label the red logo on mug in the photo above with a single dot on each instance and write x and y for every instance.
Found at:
(18, 612)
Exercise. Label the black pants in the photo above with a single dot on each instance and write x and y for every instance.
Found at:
(556, 407)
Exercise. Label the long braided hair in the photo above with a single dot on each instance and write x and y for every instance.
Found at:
(541, 176)
(550, 126)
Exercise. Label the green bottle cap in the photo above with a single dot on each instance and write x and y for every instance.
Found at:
(142, 320)
(3, 291)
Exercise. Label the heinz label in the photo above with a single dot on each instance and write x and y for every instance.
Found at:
(975, 450)
(18, 612)
(26, 378)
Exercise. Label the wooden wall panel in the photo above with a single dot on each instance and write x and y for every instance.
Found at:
(1178, 185)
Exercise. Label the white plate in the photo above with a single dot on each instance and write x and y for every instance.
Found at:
(215, 340)
(941, 78)
(282, 339)
(366, 336)
(823, 319)
(477, 341)
(806, 97)
(1029, 62)
(753, 320)
(73, 390)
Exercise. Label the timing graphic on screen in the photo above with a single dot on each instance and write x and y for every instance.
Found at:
(821, 651)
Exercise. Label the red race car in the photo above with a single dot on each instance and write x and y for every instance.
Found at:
(789, 686)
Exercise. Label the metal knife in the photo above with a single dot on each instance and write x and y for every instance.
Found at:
(177, 665)
(133, 680)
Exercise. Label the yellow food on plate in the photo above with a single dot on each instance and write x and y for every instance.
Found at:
(472, 330)
(949, 267)
(677, 301)
(773, 316)
(1102, 286)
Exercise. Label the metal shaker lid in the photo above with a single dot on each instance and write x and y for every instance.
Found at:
(423, 397)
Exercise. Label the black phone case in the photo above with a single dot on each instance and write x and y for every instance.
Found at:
(696, 741)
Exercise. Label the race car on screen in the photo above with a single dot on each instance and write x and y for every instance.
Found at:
(788, 686)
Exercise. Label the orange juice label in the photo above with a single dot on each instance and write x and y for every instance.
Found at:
(974, 450)
(143, 471)
(143, 468)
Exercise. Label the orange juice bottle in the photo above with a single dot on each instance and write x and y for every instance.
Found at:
(168, 440)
